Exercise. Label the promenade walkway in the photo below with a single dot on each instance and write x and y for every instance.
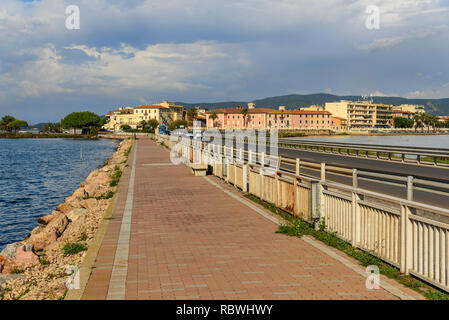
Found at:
(176, 236)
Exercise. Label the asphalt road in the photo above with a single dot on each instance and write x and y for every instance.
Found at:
(379, 166)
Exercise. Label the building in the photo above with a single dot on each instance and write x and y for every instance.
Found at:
(264, 118)
(339, 124)
(119, 117)
(164, 112)
(402, 114)
(314, 107)
(413, 108)
(362, 114)
(176, 111)
(338, 109)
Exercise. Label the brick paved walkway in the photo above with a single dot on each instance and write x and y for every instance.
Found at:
(191, 240)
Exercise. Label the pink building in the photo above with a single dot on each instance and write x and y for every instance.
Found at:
(262, 118)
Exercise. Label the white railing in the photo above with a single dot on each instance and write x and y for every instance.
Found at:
(389, 227)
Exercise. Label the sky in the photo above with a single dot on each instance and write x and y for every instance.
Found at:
(133, 52)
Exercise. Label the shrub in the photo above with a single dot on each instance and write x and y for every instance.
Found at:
(73, 248)
(17, 271)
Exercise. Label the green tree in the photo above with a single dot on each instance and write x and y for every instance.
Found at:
(125, 127)
(6, 120)
(191, 115)
(400, 122)
(16, 124)
(177, 124)
(153, 123)
(80, 120)
(143, 123)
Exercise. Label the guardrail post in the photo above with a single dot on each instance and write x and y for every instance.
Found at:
(241, 155)
(410, 188)
(262, 160)
(245, 178)
(323, 171)
(355, 219)
(406, 239)
(298, 166)
(355, 181)
(250, 156)
(279, 163)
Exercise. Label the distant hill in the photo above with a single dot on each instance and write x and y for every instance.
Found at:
(294, 101)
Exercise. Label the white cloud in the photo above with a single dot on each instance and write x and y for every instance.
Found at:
(177, 67)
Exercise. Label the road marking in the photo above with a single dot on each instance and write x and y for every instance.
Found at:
(117, 283)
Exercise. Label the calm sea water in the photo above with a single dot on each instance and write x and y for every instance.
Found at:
(430, 141)
(36, 175)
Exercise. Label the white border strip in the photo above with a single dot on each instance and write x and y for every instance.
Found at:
(117, 283)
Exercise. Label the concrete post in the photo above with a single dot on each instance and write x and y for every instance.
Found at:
(250, 156)
(355, 181)
(356, 230)
(262, 161)
(406, 240)
(298, 166)
(410, 188)
(245, 178)
(323, 171)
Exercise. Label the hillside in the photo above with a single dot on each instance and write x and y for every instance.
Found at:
(293, 101)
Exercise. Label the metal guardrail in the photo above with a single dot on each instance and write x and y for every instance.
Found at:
(392, 153)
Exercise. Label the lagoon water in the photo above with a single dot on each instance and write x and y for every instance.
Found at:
(36, 175)
(429, 141)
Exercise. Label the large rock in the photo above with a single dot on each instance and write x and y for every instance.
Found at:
(75, 229)
(80, 193)
(8, 265)
(92, 188)
(26, 257)
(89, 203)
(43, 239)
(65, 207)
(50, 233)
(92, 175)
(102, 178)
(45, 220)
(10, 250)
(75, 214)
(58, 224)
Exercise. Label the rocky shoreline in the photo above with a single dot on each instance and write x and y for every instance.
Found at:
(36, 268)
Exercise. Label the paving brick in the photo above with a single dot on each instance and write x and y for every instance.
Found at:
(190, 240)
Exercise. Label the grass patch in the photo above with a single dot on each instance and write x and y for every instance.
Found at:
(297, 227)
(22, 294)
(73, 248)
(116, 175)
(43, 260)
(127, 152)
(17, 271)
(83, 236)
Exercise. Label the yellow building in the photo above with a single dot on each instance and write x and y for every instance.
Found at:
(314, 107)
(338, 109)
(165, 113)
(413, 108)
(362, 114)
(122, 116)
